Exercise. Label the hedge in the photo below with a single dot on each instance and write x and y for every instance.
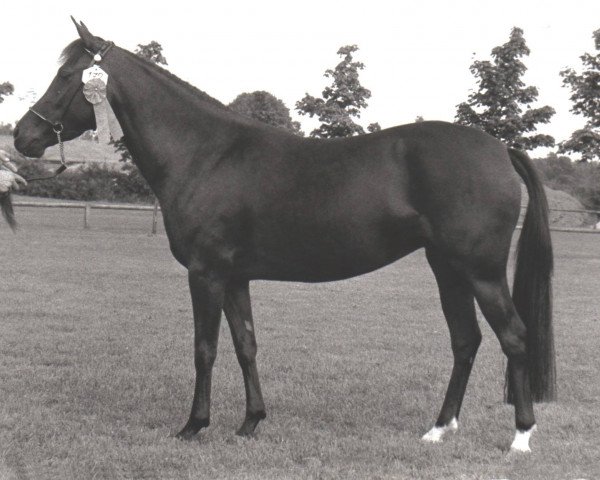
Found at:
(89, 182)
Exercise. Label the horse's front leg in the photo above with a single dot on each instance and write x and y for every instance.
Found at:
(239, 315)
(207, 290)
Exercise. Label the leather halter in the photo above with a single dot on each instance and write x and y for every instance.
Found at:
(58, 127)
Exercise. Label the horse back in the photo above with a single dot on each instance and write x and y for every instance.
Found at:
(283, 207)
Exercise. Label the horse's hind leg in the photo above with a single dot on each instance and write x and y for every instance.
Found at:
(497, 306)
(239, 316)
(458, 304)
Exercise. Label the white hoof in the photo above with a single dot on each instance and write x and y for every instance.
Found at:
(436, 434)
(521, 442)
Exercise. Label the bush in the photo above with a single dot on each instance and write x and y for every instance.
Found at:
(580, 179)
(586, 185)
(132, 184)
(86, 183)
(6, 128)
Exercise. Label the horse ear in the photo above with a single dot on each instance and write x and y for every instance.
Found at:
(90, 41)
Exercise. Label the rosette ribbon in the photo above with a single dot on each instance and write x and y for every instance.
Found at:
(107, 125)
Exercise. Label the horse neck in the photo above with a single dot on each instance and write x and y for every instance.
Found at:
(166, 123)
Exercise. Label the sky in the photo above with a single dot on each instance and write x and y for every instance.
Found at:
(416, 53)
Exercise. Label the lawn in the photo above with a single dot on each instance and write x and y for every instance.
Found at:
(96, 369)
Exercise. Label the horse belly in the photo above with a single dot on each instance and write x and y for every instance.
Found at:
(309, 252)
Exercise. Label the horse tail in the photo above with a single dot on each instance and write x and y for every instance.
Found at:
(532, 286)
(7, 211)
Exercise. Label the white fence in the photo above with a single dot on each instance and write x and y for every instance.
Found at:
(88, 207)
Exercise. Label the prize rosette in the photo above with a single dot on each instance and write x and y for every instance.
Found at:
(94, 91)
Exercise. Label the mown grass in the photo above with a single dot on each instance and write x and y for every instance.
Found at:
(96, 370)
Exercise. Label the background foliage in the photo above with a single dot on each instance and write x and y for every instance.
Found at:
(267, 108)
(341, 102)
(501, 104)
(585, 95)
(580, 179)
(93, 181)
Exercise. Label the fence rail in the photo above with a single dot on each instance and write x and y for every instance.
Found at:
(87, 208)
(568, 210)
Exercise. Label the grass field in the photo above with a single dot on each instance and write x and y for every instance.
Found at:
(96, 369)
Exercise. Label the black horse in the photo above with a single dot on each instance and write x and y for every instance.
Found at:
(243, 200)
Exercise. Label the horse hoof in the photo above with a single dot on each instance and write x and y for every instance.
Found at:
(192, 427)
(519, 450)
(185, 435)
(250, 423)
(247, 429)
(436, 434)
(521, 442)
(245, 433)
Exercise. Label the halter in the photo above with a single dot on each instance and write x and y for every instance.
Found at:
(58, 127)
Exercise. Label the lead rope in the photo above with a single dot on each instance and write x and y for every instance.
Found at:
(61, 148)
(57, 128)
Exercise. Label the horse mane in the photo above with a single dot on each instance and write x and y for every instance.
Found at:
(76, 48)
(179, 81)
(73, 49)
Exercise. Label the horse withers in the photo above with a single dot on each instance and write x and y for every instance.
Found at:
(242, 200)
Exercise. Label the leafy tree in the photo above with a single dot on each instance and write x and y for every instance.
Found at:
(6, 89)
(266, 108)
(151, 52)
(585, 141)
(501, 104)
(342, 101)
(585, 95)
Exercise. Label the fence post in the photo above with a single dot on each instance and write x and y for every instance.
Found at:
(86, 216)
(155, 216)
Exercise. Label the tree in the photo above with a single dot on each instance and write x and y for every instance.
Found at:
(6, 89)
(501, 106)
(585, 95)
(266, 108)
(151, 52)
(342, 100)
(585, 141)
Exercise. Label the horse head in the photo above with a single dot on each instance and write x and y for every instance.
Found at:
(63, 110)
